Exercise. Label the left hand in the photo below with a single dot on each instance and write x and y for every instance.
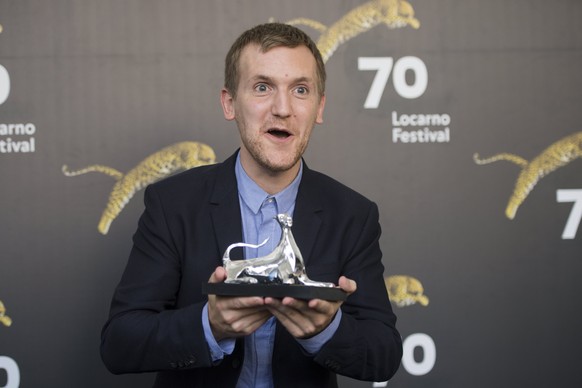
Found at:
(304, 319)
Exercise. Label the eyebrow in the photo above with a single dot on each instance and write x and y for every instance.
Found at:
(268, 79)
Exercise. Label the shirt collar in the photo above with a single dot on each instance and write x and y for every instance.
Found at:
(253, 196)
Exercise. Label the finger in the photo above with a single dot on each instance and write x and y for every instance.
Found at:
(296, 323)
(311, 307)
(219, 275)
(244, 326)
(297, 304)
(226, 321)
(239, 306)
(325, 307)
(247, 324)
(229, 316)
(244, 302)
(348, 285)
(229, 309)
(279, 309)
(298, 318)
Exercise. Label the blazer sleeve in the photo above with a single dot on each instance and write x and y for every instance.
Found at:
(146, 331)
(366, 345)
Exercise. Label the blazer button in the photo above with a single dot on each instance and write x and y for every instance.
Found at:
(235, 362)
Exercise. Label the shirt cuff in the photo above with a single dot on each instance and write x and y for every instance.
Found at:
(314, 344)
(217, 349)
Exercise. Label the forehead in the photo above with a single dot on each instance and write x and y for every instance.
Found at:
(278, 62)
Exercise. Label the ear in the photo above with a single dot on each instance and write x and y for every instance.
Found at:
(319, 118)
(227, 103)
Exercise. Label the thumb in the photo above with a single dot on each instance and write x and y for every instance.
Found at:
(219, 275)
(348, 285)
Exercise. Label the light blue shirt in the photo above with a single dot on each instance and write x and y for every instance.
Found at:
(258, 211)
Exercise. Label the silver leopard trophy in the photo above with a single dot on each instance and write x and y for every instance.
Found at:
(279, 274)
(284, 265)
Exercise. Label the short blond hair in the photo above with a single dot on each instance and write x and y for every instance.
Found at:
(268, 36)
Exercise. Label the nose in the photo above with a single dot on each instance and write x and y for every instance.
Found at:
(282, 106)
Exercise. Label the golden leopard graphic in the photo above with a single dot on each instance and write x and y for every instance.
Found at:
(405, 291)
(4, 319)
(392, 13)
(169, 160)
(552, 158)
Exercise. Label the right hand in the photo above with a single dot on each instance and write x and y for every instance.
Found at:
(232, 317)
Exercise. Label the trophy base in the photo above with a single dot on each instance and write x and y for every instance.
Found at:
(275, 291)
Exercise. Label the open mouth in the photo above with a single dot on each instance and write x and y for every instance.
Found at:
(279, 133)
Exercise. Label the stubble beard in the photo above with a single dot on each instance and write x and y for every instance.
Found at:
(260, 153)
(261, 157)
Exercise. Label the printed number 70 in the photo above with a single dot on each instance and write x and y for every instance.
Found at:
(383, 67)
(4, 84)
(575, 214)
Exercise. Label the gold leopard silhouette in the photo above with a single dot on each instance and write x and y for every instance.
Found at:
(169, 160)
(552, 158)
(4, 319)
(405, 290)
(393, 13)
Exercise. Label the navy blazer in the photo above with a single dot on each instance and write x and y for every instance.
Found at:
(189, 220)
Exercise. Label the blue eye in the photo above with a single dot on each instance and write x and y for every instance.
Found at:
(261, 88)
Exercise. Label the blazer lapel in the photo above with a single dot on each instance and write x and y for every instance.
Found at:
(226, 219)
(225, 208)
(308, 214)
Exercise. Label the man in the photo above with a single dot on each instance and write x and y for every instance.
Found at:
(160, 321)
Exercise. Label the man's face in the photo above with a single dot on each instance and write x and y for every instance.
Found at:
(276, 107)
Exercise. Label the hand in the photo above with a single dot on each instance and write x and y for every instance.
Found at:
(304, 319)
(232, 317)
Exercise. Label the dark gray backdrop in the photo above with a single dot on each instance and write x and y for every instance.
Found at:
(111, 82)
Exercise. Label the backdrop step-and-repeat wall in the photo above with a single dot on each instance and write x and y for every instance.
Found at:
(461, 119)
